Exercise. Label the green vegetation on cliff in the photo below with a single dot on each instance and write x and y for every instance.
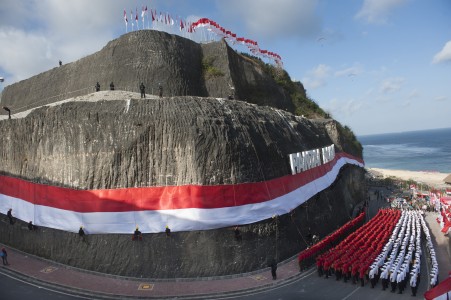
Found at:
(304, 105)
(208, 70)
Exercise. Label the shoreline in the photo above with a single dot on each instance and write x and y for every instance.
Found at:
(431, 178)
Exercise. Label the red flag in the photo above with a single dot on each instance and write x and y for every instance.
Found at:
(181, 25)
(125, 18)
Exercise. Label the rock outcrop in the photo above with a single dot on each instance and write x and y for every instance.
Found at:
(93, 143)
(133, 143)
(182, 66)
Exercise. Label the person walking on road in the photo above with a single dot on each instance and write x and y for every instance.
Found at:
(273, 269)
(4, 256)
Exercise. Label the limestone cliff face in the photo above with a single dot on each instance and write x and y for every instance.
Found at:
(132, 143)
(94, 143)
(152, 57)
(128, 143)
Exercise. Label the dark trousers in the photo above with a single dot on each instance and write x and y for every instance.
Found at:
(384, 284)
(414, 290)
(373, 282)
(393, 286)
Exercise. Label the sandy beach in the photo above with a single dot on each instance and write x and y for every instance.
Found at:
(434, 179)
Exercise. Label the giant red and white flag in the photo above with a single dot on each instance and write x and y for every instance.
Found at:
(182, 208)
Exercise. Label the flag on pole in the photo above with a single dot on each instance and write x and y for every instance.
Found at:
(126, 21)
(147, 14)
(143, 12)
(181, 25)
(136, 19)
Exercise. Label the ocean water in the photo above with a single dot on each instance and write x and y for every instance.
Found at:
(426, 150)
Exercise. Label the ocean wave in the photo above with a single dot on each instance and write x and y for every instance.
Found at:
(398, 150)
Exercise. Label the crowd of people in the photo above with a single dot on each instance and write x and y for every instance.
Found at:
(307, 257)
(387, 248)
(354, 255)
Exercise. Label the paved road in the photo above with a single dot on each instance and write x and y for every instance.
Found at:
(313, 287)
(16, 289)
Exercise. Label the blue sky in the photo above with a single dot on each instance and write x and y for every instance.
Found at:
(376, 65)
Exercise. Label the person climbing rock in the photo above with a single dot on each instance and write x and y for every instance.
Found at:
(31, 226)
(137, 235)
(10, 216)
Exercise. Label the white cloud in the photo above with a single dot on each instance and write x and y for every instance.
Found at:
(413, 94)
(35, 34)
(316, 77)
(378, 11)
(444, 54)
(391, 85)
(406, 103)
(441, 98)
(24, 54)
(351, 71)
(344, 108)
(275, 19)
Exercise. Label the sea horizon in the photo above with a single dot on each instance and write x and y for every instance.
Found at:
(419, 150)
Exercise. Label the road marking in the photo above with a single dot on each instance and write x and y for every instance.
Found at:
(48, 269)
(258, 277)
(145, 287)
(349, 295)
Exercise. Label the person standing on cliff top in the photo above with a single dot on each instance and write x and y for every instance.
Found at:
(160, 90)
(112, 86)
(142, 88)
(97, 86)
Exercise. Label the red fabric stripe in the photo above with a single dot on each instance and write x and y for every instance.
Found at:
(161, 198)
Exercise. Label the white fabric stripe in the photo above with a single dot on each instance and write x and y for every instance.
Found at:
(177, 219)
